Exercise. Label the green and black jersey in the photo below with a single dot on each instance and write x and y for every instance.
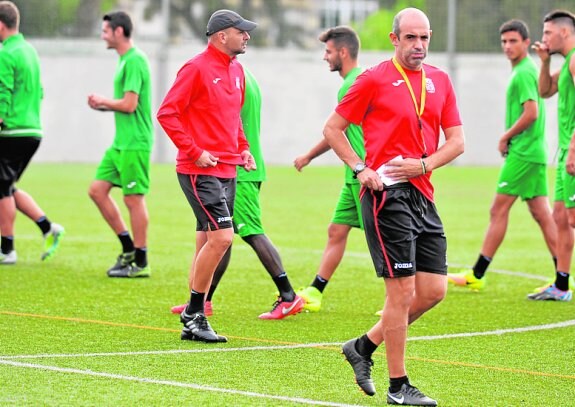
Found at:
(354, 133)
(251, 123)
(530, 144)
(134, 131)
(20, 88)
(566, 103)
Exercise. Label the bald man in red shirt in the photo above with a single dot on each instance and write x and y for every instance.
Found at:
(401, 105)
(201, 115)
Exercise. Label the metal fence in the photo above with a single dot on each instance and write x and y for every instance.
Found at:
(472, 25)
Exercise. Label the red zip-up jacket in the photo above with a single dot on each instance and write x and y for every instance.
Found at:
(202, 112)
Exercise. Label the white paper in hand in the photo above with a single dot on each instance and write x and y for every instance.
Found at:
(384, 178)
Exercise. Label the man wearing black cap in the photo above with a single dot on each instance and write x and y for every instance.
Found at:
(201, 115)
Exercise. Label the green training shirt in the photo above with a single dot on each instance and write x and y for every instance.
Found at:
(251, 122)
(530, 144)
(566, 103)
(20, 88)
(134, 131)
(354, 133)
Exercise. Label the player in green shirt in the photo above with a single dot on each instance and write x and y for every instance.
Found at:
(126, 163)
(524, 173)
(247, 216)
(341, 50)
(20, 133)
(559, 38)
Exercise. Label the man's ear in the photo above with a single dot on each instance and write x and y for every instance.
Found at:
(119, 31)
(222, 36)
(394, 38)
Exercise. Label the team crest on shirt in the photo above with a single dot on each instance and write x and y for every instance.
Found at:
(429, 86)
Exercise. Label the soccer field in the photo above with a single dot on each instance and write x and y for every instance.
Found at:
(69, 335)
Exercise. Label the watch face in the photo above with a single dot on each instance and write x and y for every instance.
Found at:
(359, 167)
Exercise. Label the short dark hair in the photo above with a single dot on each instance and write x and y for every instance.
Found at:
(518, 26)
(560, 16)
(342, 36)
(9, 14)
(120, 19)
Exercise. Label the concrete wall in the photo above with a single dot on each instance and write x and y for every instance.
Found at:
(299, 93)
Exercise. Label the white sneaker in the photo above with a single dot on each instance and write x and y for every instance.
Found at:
(10, 258)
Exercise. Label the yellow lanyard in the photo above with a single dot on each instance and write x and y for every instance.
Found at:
(418, 109)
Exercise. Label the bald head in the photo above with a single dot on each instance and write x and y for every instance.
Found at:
(410, 37)
(409, 16)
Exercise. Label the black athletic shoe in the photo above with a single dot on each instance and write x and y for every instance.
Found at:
(361, 367)
(409, 396)
(131, 271)
(123, 260)
(197, 328)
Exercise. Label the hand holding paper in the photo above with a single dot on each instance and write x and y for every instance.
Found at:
(387, 180)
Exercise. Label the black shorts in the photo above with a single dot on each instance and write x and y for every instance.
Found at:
(404, 232)
(211, 198)
(15, 154)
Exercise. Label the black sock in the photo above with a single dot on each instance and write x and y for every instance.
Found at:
(196, 303)
(7, 244)
(319, 283)
(481, 266)
(364, 346)
(284, 287)
(44, 224)
(141, 256)
(211, 292)
(555, 262)
(395, 383)
(562, 281)
(127, 242)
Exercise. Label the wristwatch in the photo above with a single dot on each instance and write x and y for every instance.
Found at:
(359, 167)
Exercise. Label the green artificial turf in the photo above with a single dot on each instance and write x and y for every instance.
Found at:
(69, 335)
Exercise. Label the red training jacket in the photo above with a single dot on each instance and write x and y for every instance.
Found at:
(202, 112)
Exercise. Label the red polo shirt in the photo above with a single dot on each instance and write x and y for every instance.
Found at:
(202, 112)
(380, 102)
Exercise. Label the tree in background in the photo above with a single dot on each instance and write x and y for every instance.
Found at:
(286, 22)
(478, 22)
(374, 30)
(87, 13)
(53, 18)
(273, 27)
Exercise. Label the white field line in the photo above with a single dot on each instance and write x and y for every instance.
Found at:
(199, 387)
(4, 361)
(175, 351)
(365, 255)
(532, 328)
(543, 327)
(361, 255)
(511, 273)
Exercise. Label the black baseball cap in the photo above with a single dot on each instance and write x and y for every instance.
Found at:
(223, 19)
